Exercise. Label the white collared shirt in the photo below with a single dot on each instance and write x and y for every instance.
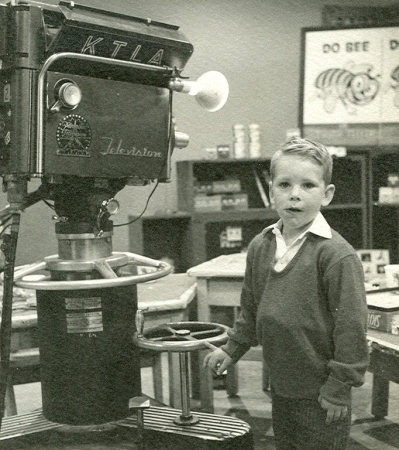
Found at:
(284, 253)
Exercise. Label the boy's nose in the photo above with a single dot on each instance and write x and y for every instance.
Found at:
(295, 193)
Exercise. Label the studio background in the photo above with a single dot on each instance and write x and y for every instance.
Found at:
(256, 45)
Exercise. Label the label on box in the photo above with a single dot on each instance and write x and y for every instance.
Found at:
(233, 234)
(383, 311)
(235, 202)
(384, 321)
(203, 188)
(207, 203)
(226, 186)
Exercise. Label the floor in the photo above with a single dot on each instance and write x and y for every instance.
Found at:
(253, 405)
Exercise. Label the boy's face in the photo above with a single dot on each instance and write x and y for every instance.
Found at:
(298, 191)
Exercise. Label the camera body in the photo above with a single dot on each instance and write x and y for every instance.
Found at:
(85, 92)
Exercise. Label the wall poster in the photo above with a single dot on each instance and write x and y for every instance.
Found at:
(350, 86)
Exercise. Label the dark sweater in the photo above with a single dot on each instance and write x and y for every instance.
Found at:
(310, 319)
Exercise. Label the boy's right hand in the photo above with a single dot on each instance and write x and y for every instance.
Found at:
(218, 361)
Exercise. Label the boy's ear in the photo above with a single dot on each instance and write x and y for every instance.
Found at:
(271, 191)
(328, 195)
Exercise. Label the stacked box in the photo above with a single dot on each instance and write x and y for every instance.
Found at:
(374, 262)
(387, 321)
(235, 202)
(226, 186)
(383, 312)
(203, 188)
(207, 203)
(389, 195)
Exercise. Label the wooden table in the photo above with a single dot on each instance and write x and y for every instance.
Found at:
(219, 283)
(384, 364)
(164, 300)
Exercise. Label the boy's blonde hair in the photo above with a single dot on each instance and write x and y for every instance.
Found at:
(307, 149)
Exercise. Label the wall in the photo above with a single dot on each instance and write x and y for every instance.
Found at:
(255, 44)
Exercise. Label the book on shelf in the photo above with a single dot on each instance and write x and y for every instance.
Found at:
(261, 190)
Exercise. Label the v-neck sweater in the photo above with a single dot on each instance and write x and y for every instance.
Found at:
(310, 318)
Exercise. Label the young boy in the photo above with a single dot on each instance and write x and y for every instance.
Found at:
(303, 299)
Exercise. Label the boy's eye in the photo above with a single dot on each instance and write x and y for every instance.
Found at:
(283, 184)
(309, 185)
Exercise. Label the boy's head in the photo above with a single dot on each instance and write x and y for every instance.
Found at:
(306, 149)
(301, 173)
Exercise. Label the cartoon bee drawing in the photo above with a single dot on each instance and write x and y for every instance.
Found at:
(353, 87)
(395, 85)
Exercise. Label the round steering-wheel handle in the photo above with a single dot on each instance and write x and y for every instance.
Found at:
(182, 336)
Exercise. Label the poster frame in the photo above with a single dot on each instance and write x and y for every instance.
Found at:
(384, 135)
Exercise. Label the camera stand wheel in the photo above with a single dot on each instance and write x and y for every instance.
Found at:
(181, 337)
(105, 266)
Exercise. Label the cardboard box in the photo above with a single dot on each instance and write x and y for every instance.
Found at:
(235, 202)
(203, 188)
(392, 275)
(374, 262)
(389, 195)
(207, 203)
(384, 320)
(383, 311)
(226, 186)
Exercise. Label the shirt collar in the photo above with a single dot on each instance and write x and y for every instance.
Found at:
(319, 227)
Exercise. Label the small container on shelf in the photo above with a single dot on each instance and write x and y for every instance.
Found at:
(388, 195)
(239, 141)
(207, 203)
(211, 153)
(393, 179)
(254, 141)
(204, 187)
(223, 151)
(226, 186)
(235, 202)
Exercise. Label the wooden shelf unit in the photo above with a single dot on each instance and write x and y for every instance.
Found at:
(348, 213)
(191, 237)
(385, 218)
(162, 236)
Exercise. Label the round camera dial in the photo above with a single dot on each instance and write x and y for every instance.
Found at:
(70, 95)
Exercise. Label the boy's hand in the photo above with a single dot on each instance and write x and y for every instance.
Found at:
(218, 361)
(334, 412)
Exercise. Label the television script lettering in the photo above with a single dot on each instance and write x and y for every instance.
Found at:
(111, 149)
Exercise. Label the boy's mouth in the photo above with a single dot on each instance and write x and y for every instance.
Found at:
(293, 209)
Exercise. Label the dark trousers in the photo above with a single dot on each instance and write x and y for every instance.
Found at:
(300, 424)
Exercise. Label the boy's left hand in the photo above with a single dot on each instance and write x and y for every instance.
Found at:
(334, 412)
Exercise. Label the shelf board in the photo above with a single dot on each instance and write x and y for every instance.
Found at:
(166, 215)
(227, 160)
(240, 215)
(383, 205)
(339, 206)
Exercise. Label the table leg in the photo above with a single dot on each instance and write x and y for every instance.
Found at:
(265, 377)
(174, 381)
(232, 381)
(10, 405)
(195, 376)
(380, 397)
(157, 376)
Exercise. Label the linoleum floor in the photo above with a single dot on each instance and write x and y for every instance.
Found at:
(254, 406)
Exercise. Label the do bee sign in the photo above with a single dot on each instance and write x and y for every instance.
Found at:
(350, 91)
